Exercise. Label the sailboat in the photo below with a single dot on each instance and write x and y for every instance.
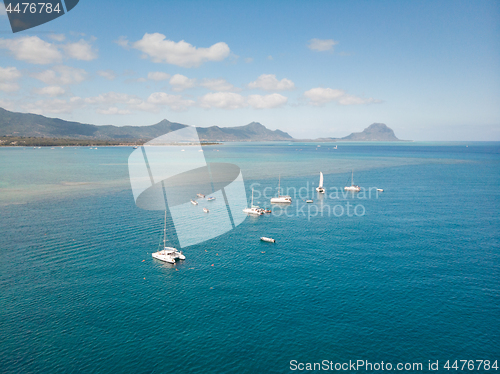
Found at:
(281, 198)
(254, 210)
(168, 254)
(352, 187)
(320, 188)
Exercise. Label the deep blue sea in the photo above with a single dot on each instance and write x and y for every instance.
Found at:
(412, 275)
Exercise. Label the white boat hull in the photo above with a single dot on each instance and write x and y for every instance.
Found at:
(253, 211)
(270, 240)
(163, 257)
(352, 188)
(169, 254)
(320, 189)
(281, 200)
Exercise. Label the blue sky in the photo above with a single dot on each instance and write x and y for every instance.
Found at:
(429, 70)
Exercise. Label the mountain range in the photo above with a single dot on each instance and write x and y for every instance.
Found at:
(38, 126)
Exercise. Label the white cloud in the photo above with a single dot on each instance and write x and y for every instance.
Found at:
(7, 104)
(57, 37)
(158, 76)
(123, 42)
(110, 98)
(217, 85)
(108, 74)
(9, 74)
(223, 100)
(51, 106)
(32, 49)
(8, 77)
(268, 82)
(160, 49)
(113, 110)
(267, 101)
(50, 91)
(322, 45)
(319, 96)
(80, 50)
(175, 102)
(180, 82)
(9, 86)
(61, 75)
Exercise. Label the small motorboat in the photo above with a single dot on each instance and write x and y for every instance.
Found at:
(309, 201)
(380, 190)
(210, 198)
(269, 240)
(200, 195)
(194, 202)
(268, 211)
(206, 210)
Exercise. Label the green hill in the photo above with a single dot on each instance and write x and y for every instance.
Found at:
(34, 125)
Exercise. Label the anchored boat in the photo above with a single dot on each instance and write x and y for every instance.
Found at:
(270, 240)
(281, 198)
(254, 210)
(168, 254)
(352, 187)
(320, 188)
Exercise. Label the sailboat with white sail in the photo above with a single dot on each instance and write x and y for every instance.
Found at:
(168, 254)
(352, 187)
(254, 209)
(280, 199)
(320, 188)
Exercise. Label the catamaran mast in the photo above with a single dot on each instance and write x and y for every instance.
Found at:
(165, 230)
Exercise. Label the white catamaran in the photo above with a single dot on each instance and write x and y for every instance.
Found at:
(168, 254)
(352, 187)
(320, 188)
(254, 210)
(281, 198)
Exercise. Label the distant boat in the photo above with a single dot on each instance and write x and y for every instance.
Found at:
(200, 195)
(309, 201)
(268, 211)
(270, 240)
(206, 210)
(335, 147)
(135, 147)
(210, 198)
(254, 210)
(168, 254)
(352, 187)
(281, 198)
(380, 190)
(194, 202)
(320, 188)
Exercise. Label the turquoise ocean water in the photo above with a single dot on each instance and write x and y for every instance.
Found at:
(413, 276)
